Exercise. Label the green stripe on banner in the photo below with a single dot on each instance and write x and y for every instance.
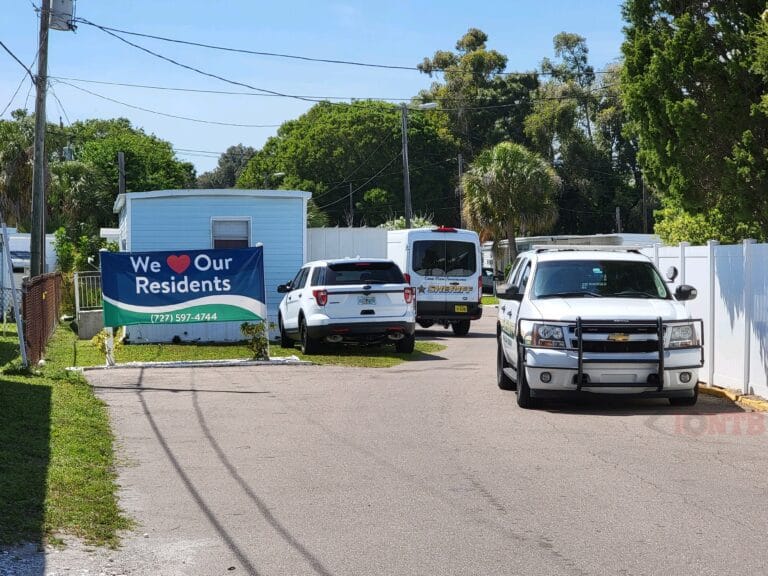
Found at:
(116, 316)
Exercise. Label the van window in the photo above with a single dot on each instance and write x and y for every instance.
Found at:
(444, 258)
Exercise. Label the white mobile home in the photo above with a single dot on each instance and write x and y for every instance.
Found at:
(167, 220)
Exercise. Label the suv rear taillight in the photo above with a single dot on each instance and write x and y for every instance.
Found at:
(480, 288)
(407, 278)
(321, 297)
(409, 294)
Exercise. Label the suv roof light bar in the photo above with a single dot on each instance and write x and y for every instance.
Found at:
(579, 247)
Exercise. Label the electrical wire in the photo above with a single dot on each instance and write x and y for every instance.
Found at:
(187, 118)
(18, 88)
(58, 102)
(244, 51)
(349, 194)
(225, 92)
(27, 70)
(193, 69)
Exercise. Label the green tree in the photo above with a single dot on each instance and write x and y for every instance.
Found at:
(333, 145)
(16, 168)
(484, 105)
(692, 86)
(509, 191)
(231, 164)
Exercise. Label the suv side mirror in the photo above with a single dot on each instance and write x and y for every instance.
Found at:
(507, 292)
(283, 288)
(685, 292)
(498, 277)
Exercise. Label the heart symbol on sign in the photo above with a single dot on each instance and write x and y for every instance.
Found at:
(178, 263)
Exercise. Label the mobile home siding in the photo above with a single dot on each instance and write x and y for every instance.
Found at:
(178, 222)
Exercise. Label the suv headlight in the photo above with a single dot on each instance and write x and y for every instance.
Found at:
(682, 336)
(546, 336)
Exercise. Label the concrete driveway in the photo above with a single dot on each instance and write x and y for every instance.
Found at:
(426, 468)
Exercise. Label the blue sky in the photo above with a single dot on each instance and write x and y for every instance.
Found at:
(397, 32)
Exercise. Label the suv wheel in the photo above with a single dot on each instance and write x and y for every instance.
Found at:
(460, 327)
(686, 401)
(285, 340)
(504, 381)
(406, 343)
(524, 399)
(309, 345)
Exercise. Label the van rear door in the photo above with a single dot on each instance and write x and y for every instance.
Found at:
(445, 271)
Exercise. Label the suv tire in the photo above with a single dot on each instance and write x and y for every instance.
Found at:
(460, 327)
(285, 340)
(309, 345)
(686, 401)
(524, 399)
(406, 344)
(504, 381)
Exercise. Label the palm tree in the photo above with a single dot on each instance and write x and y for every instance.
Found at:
(508, 191)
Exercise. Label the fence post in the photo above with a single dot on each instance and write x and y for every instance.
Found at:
(712, 246)
(77, 294)
(683, 246)
(747, 310)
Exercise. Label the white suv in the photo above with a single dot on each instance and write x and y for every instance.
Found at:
(352, 300)
(576, 320)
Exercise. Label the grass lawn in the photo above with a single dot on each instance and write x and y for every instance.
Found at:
(490, 300)
(66, 350)
(56, 459)
(57, 467)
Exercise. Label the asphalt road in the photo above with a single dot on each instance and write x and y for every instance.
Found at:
(425, 469)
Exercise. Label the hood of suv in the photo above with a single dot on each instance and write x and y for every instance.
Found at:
(609, 308)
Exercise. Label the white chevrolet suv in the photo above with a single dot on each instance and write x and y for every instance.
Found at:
(366, 301)
(578, 320)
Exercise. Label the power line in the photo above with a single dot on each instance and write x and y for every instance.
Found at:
(58, 102)
(252, 52)
(27, 70)
(395, 157)
(225, 92)
(18, 88)
(187, 118)
(192, 68)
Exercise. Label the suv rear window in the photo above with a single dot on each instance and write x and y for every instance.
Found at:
(444, 258)
(363, 273)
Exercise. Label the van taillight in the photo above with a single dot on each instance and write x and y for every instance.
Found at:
(409, 294)
(407, 278)
(321, 297)
(480, 288)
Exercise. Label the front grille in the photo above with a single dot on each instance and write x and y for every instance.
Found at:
(617, 347)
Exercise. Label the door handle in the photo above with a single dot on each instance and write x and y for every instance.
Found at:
(454, 283)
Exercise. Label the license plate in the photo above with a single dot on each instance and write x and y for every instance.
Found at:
(366, 300)
(460, 308)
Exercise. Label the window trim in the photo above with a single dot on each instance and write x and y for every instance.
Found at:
(246, 219)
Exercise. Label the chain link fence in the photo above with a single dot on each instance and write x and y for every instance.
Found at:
(41, 301)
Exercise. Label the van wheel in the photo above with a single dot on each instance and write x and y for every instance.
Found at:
(504, 381)
(406, 344)
(524, 399)
(285, 341)
(309, 345)
(460, 327)
(686, 401)
(426, 323)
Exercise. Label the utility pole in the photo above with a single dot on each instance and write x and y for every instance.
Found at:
(121, 172)
(460, 191)
(351, 208)
(645, 208)
(406, 175)
(37, 240)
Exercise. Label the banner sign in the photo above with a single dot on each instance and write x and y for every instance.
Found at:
(183, 286)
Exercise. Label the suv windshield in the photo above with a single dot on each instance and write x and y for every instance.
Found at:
(598, 278)
(444, 258)
(363, 273)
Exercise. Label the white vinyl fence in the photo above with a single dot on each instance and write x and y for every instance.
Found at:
(732, 284)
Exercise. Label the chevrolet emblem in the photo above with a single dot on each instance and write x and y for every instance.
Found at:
(618, 337)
